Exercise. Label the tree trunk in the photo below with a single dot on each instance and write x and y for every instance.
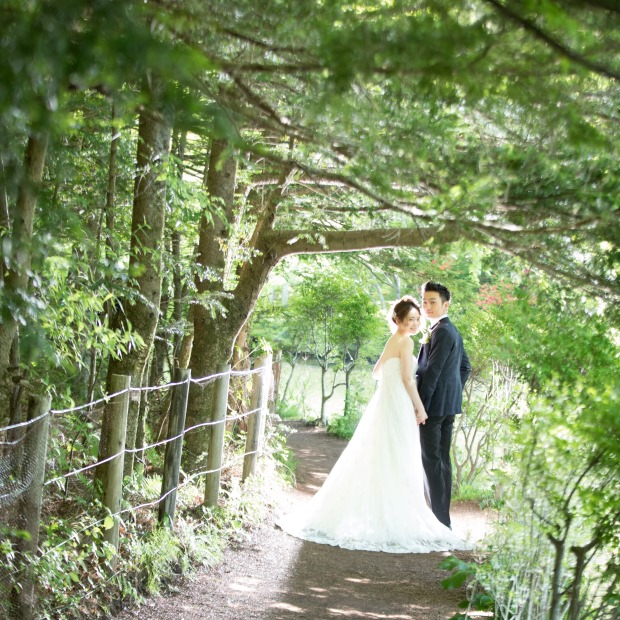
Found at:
(156, 403)
(110, 196)
(144, 407)
(559, 545)
(277, 377)
(293, 362)
(183, 355)
(580, 553)
(288, 380)
(347, 389)
(324, 397)
(239, 387)
(213, 337)
(142, 310)
(213, 342)
(18, 257)
(177, 279)
(177, 301)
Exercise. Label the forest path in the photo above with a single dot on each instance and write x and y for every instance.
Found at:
(273, 576)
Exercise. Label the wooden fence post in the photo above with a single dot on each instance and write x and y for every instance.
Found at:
(268, 399)
(216, 445)
(256, 421)
(276, 377)
(172, 459)
(113, 443)
(35, 450)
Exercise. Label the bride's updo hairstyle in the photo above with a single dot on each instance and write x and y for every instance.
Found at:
(399, 311)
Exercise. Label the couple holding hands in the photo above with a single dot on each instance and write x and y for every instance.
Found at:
(390, 489)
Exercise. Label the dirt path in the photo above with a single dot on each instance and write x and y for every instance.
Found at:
(277, 577)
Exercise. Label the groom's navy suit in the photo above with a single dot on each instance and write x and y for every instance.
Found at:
(443, 368)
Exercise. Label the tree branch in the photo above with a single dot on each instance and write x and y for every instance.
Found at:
(530, 26)
(537, 259)
(274, 49)
(258, 67)
(324, 177)
(256, 102)
(289, 242)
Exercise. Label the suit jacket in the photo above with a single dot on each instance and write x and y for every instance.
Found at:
(443, 369)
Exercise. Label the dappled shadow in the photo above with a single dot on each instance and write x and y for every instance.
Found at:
(329, 582)
(273, 576)
(315, 452)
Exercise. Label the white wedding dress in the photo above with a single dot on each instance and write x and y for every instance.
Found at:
(373, 499)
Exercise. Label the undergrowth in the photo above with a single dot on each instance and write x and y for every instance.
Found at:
(78, 574)
(344, 426)
(482, 493)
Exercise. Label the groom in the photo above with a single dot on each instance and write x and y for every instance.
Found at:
(443, 368)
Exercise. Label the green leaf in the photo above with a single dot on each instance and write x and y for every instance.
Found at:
(455, 581)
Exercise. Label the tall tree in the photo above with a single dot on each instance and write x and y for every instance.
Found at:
(359, 126)
(18, 258)
(213, 336)
(140, 308)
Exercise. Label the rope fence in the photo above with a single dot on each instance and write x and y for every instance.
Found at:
(22, 464)
(75, 535)
(109, 397)
(157, 444)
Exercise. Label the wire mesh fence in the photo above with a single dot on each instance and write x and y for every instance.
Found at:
(74, 461)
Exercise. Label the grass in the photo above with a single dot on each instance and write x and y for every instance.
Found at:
(485, 495)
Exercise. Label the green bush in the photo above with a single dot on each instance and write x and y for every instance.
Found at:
(288, 410)
(344, 425)
(556, 551)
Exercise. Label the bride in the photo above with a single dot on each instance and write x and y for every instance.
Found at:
(373, 499)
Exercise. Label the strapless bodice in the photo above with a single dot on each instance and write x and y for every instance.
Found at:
(391, 367)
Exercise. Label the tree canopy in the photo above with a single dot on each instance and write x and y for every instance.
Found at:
(273, 129)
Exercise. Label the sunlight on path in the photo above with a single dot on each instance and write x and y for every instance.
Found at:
(469, 522)
(273, 576)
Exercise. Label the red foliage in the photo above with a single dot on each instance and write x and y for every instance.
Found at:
(495, 294)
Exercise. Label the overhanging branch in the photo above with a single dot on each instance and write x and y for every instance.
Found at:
(562, 49)
(289, 242)
(323, 177)
(543, 261)
(273, 49)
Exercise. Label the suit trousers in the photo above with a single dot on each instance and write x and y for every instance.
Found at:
(435, 440)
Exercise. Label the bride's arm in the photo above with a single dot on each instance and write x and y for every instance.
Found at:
(406, 368)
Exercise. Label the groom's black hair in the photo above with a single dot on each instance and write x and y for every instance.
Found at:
(435, 287)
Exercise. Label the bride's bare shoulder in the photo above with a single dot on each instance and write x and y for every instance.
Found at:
(405, 345)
